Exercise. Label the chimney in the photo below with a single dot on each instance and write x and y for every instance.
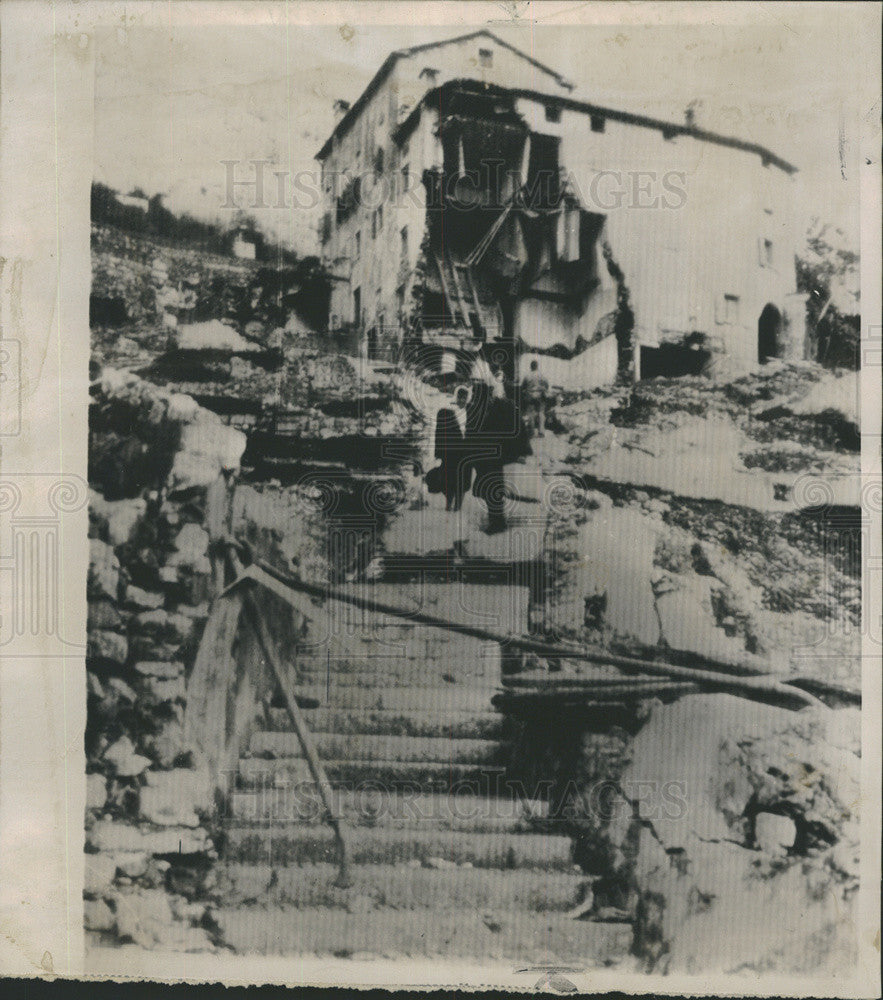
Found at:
(690, 113)
(340, 109)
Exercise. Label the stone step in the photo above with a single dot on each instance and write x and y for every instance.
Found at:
(382, 747)
(379, 807)
(500, 935)
(453, 725)
(420, 776)
(403, 674)
(440, 699)
(402, 887)
(298, 844)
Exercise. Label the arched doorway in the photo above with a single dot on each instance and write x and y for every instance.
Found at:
(769, 329)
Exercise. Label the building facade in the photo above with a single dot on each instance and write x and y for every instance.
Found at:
(471, 199)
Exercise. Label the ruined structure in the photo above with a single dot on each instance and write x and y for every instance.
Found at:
(471, 199)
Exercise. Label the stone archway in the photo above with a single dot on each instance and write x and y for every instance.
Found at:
(769, 333)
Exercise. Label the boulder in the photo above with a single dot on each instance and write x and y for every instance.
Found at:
(104, 646)
(774, 834)
(207, 446)
(143, 600)
(712, 778)
(122, 517)
(145, 917)
(122, 758)
(104, 571)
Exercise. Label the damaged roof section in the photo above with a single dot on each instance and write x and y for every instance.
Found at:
(669, 129)
(501, 222)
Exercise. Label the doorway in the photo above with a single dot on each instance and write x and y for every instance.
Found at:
(769, 331)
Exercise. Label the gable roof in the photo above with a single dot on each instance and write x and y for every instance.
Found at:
(386, 68)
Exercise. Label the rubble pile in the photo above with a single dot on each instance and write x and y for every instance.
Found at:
(140, 290)
(153, 456)
(738, 833)
(735, 561)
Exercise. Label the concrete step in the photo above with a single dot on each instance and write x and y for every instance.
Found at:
(527, 939)
(437, 698)
(401, 887)
(453, 725)
(382, 747)
(298, 844)
(382, 808)
(419, 776)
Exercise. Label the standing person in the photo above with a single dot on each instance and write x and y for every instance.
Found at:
(534, 392)
(451, 449)
(486, 434)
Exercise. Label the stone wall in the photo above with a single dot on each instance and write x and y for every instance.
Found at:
(154, 458)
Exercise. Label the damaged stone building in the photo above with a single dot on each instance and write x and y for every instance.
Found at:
(471, 199)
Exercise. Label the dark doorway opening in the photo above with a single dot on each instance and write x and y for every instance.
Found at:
(769, 331)
(673, 360)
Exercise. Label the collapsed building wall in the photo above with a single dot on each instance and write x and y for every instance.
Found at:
(705, 261)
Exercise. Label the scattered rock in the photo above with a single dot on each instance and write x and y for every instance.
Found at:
(123, 759)
(142, 600)
(775, 835)
(122, 518)
(131, 864)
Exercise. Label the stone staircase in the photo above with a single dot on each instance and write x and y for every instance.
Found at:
(447, 857)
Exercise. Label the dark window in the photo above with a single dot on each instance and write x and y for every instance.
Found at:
(358, 245)
(485, 58)
(404, 241)
(553, 114)
(405, 178)
(357, 305)
(597, 123)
